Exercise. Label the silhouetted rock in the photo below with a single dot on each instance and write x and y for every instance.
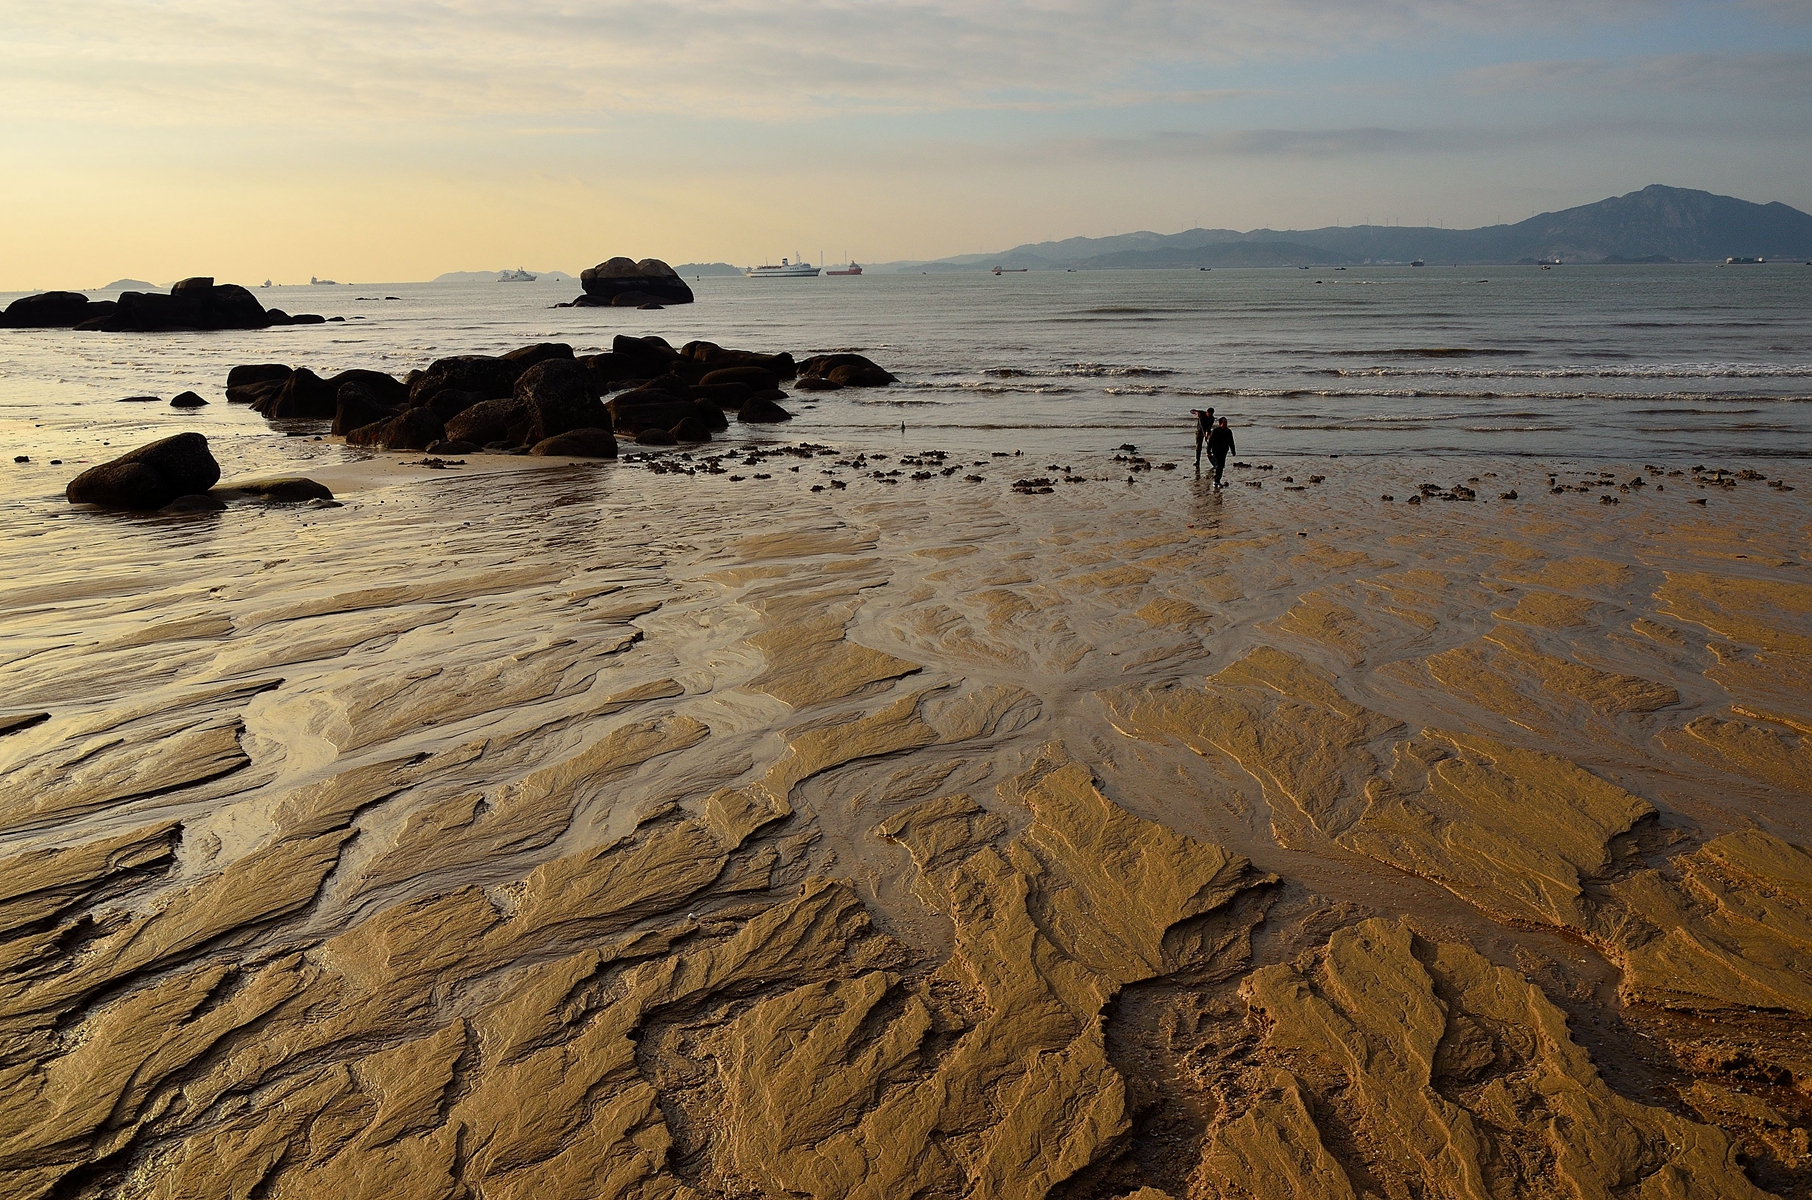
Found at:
(150, 476)
(716, 357)
(355, 407)
(559, 395)
(49, 310)
(188, 400)
(656, 437)
(691, 429)
(578, 443)
(650, 277)
(491, 377)
(528, 356)
(757, 378)
(762, 411)
(816, 383)
(304, 395)
(450, 403)
(287, 490)
(387, 389)
(193, 304)
(491, 421)
(252, 382)
(633, 412)
(411, 430)
(848, 370)
(724, 395)
(643, 357)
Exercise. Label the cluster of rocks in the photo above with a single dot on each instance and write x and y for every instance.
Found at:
(179, 473)
(544, 399)
(625, 283)
(193, 304)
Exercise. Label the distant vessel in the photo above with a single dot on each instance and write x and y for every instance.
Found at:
(786, 270)
(853, 268)
(267, 283)
(516, 276)
(1741, 262)
(1011, 270)
(1418, 263)
(322, 282)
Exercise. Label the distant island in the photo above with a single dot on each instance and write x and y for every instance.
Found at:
(1655, 225)
(699, 269)
(494, 276)
(125, 285)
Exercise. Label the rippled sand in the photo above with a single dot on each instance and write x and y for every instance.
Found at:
(577, 831)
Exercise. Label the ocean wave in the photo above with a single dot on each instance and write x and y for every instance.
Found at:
(1074, 370)
(1626, 371)
(1430, 352)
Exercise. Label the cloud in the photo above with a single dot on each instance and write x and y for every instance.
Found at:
(1781, 74)
(564, 62)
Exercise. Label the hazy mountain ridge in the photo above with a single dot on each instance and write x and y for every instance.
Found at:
(1657, 223)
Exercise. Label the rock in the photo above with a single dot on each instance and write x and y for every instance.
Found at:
(606, 369)
(252, 382)
(724, 395)
(642, 357)
(528, 356)
(654, 305)
(450, 403)
(355, 407)
(758, 379)
(303, 395)
(201, 304)
(140, 399)
(578, 443)
(198, 503)
(715, 356)
(388, 390)
(559, 397)
(848, 370)
(762, 411)
(656, 437)
(188, 400)
(150, 476)
(50, 310)
(454, 446)
(633, 412)
(651, 276)
(816, 383)
(412, 430)
(691, 429)
(324, 504)
(490, 421)
(491, 377)
(289, 489)
(309, 319)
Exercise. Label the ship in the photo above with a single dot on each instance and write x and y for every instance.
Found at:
(516, 276)
(1011, 270)
(1744, 262)
(322, 282)
(786, 270)
(1418, 263)
(267, 283)
(852, 269)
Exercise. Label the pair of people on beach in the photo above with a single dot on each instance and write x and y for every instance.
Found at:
(1217, 437)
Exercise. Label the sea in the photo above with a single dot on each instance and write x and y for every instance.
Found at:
(1627, 363)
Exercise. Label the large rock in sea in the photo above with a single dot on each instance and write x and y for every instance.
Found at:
(621, 276)
(528, 356)
(489, 421)
(642, 357)
(150, 476)
(715, 356)
(560, 397)
(846, 370)
(198, 303)
(578, 443)
(304, 395)
(492, 377)
(251, 382)
(762, 411)
(50, 310)
(356, 407)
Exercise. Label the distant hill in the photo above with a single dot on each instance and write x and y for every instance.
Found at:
(697, 269)
(1656, 224)
(493, 276)
(125, 285)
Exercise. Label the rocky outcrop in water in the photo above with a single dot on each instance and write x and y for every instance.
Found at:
(625, 283)
(150, 476)
(193, 304)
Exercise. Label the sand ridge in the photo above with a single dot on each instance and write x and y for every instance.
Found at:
(506, 833)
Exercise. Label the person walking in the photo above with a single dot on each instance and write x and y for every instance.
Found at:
(1204, 423)
(1220, 445)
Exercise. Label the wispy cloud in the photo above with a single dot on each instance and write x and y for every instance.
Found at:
(1780, 74)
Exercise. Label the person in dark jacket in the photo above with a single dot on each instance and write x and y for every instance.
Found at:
(1220, 445)
(1204, 425)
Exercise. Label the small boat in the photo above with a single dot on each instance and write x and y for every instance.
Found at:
(852, 269)
(786, 270)
(1418, 263)
(322, 282)
(1011, 270)
(516, 276)
(267, 283)
(1744, 262)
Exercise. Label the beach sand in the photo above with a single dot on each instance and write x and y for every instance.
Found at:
(527, 829)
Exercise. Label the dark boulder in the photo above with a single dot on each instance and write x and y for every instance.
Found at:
(691, 429)
(633, 412)
(528, 356)
(651, 277)
(250, 373)
(389, 391)
(150, 476)
(355, 407)
(656, 437)
(758, 378)
(309, 319)
(415, 429)
(559, 396)
(47, 310)
(607, 371)
(491, 377)
(304, 395)
(193, 304)
(276, 316)
(449, 404)
(578, 443)
(643, 357)
(712, 355)
(199, 502)
(140, 399)
(188, 400)
(490, 421)
(849, 370)
(288, 490)
(762, 411)
(451, 446)
(816, 383)
(724, 395)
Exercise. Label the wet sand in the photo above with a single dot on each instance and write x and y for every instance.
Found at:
(529, 829)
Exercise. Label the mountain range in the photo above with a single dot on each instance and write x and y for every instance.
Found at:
(1656, 224)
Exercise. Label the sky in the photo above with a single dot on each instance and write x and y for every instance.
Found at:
(156, 139)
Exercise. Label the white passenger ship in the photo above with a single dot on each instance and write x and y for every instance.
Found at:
(786, 270)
